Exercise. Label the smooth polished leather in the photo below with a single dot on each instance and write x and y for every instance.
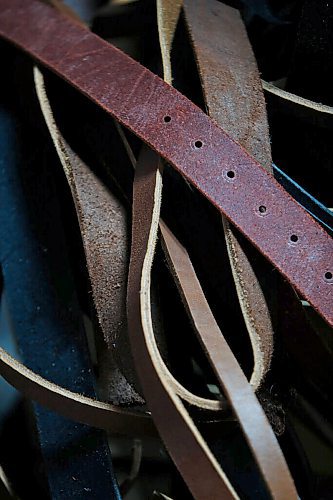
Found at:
(200, 150)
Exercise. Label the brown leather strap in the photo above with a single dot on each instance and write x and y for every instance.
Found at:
(216, 348)
(221, 169)
(239, 392)
(72, 405)
(173, 422)
(178, 431)
(232, 91)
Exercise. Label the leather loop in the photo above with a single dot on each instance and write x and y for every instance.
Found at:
(72, 405)
(171, 418)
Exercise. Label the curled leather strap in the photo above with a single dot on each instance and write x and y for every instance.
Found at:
(172, 420)
(72, 405)
(178, 431)
(81, 179)
(244, 192)
(233, 96)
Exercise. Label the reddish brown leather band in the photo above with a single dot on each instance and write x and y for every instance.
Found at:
(221, 169)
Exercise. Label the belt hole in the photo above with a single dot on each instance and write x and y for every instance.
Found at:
(294, 238)
(262, 210)
(167, 119)
(328, 276)
(198, 144)
(231, 174)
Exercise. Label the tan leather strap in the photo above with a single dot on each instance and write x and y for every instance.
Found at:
(190, 141)
(167, 18)
(296, 99)
(72, 405)
(234, 98)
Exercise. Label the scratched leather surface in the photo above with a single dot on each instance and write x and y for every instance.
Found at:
(148, 99)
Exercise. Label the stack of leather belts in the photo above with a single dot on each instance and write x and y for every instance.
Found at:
(205, 211)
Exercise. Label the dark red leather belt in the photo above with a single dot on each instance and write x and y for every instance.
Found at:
(186, 137)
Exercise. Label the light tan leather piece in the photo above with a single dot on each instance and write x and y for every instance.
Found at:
(232, 90)
(5, 490)
(167, 17)
(72, 405)
(296, 99)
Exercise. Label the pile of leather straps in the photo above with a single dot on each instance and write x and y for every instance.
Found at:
(208, 268)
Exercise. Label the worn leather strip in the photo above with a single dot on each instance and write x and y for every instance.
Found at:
(192, 142)
(72, 405)
(171, 419)
(233, 96)
(167, 18)
(103, 225)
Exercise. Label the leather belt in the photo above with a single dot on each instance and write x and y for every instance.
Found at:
(187, 138)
